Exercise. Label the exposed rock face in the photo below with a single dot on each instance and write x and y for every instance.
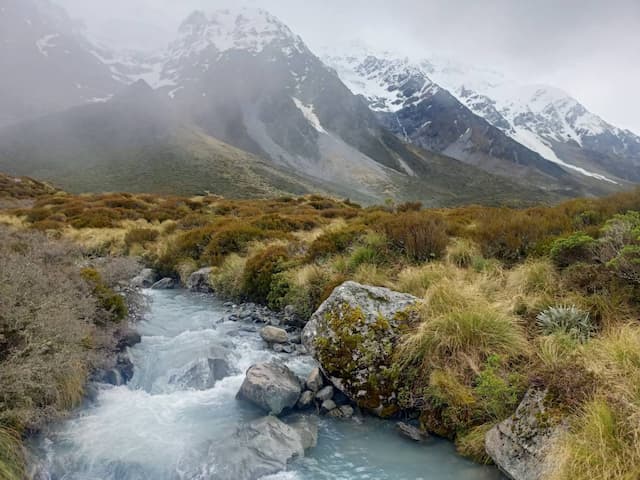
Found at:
(164, 284)
(262, 447)
(307, 428)
(519, 446)
(199, 281)
(272, 387)
(272, 334)
(352, 335)
(145, 278)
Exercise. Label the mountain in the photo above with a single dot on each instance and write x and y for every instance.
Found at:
(239, 86)
(545, 119)
(418, 110)
(47, 65)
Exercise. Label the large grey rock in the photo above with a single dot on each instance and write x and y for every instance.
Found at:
(165, 284)
(274, 335)
(262, 447)
(202, 374)
(145, 278)
(198, 281)
(520, 445)
(352, 335)
(270, 386)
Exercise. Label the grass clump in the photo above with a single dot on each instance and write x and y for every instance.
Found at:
(227, 280)
(112, 303)
(12, 462)
(417, 235)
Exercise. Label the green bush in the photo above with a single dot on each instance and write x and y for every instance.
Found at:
(333, 242)
(260, 271)
(572, 249)
(111, 302)
(499, 393)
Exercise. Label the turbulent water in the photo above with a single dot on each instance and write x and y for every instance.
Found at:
(149, 429)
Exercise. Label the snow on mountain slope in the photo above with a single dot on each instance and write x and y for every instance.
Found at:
(541, 118)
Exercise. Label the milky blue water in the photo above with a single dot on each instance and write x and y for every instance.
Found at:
(146, 430)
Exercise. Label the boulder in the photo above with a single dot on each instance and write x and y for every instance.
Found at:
(411, 432)
(274, 335)
(352, 335)
(165, 284)
(145, 278)
(270, 386)
(307, 428)
(325, 394)
(328, 405)
(255, 450)
(202, 374)
(198, 281)
(315, 380)
(520, 445)
(306, 400)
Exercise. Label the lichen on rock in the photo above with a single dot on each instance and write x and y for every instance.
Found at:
(353, 335)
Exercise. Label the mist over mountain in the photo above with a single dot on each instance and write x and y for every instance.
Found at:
(353, 122)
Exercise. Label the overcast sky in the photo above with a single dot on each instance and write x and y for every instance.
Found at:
(590, 48)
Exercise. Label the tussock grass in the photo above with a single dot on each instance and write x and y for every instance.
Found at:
(12, 462)
(227, 280)
(471, 444)
(604, 439)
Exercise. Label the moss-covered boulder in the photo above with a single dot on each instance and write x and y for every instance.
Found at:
(353, 335)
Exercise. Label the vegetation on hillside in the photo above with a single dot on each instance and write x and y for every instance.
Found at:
(545, 296)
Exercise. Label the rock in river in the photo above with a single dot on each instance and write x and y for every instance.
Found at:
(352, 335)
(165, 284)
(274, 335)
(262, 447)
(198, 281)
(270, 386)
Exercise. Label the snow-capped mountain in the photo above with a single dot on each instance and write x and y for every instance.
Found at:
(238, 81)
(420, 111)
(543, 119)
(46, 64)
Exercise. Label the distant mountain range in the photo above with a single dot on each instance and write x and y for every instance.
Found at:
(239, 105)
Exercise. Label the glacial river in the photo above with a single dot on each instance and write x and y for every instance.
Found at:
(150, 428)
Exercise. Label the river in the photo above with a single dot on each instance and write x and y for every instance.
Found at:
(149, 429)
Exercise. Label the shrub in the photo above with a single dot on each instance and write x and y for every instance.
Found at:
(575, 248)
(499, 392)
(232, 238)
(569, 320)
(418, 236)
(112, 303)
(260, 270)
(227, 279)
(140, 235)
(332, 242)
(303, 288)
